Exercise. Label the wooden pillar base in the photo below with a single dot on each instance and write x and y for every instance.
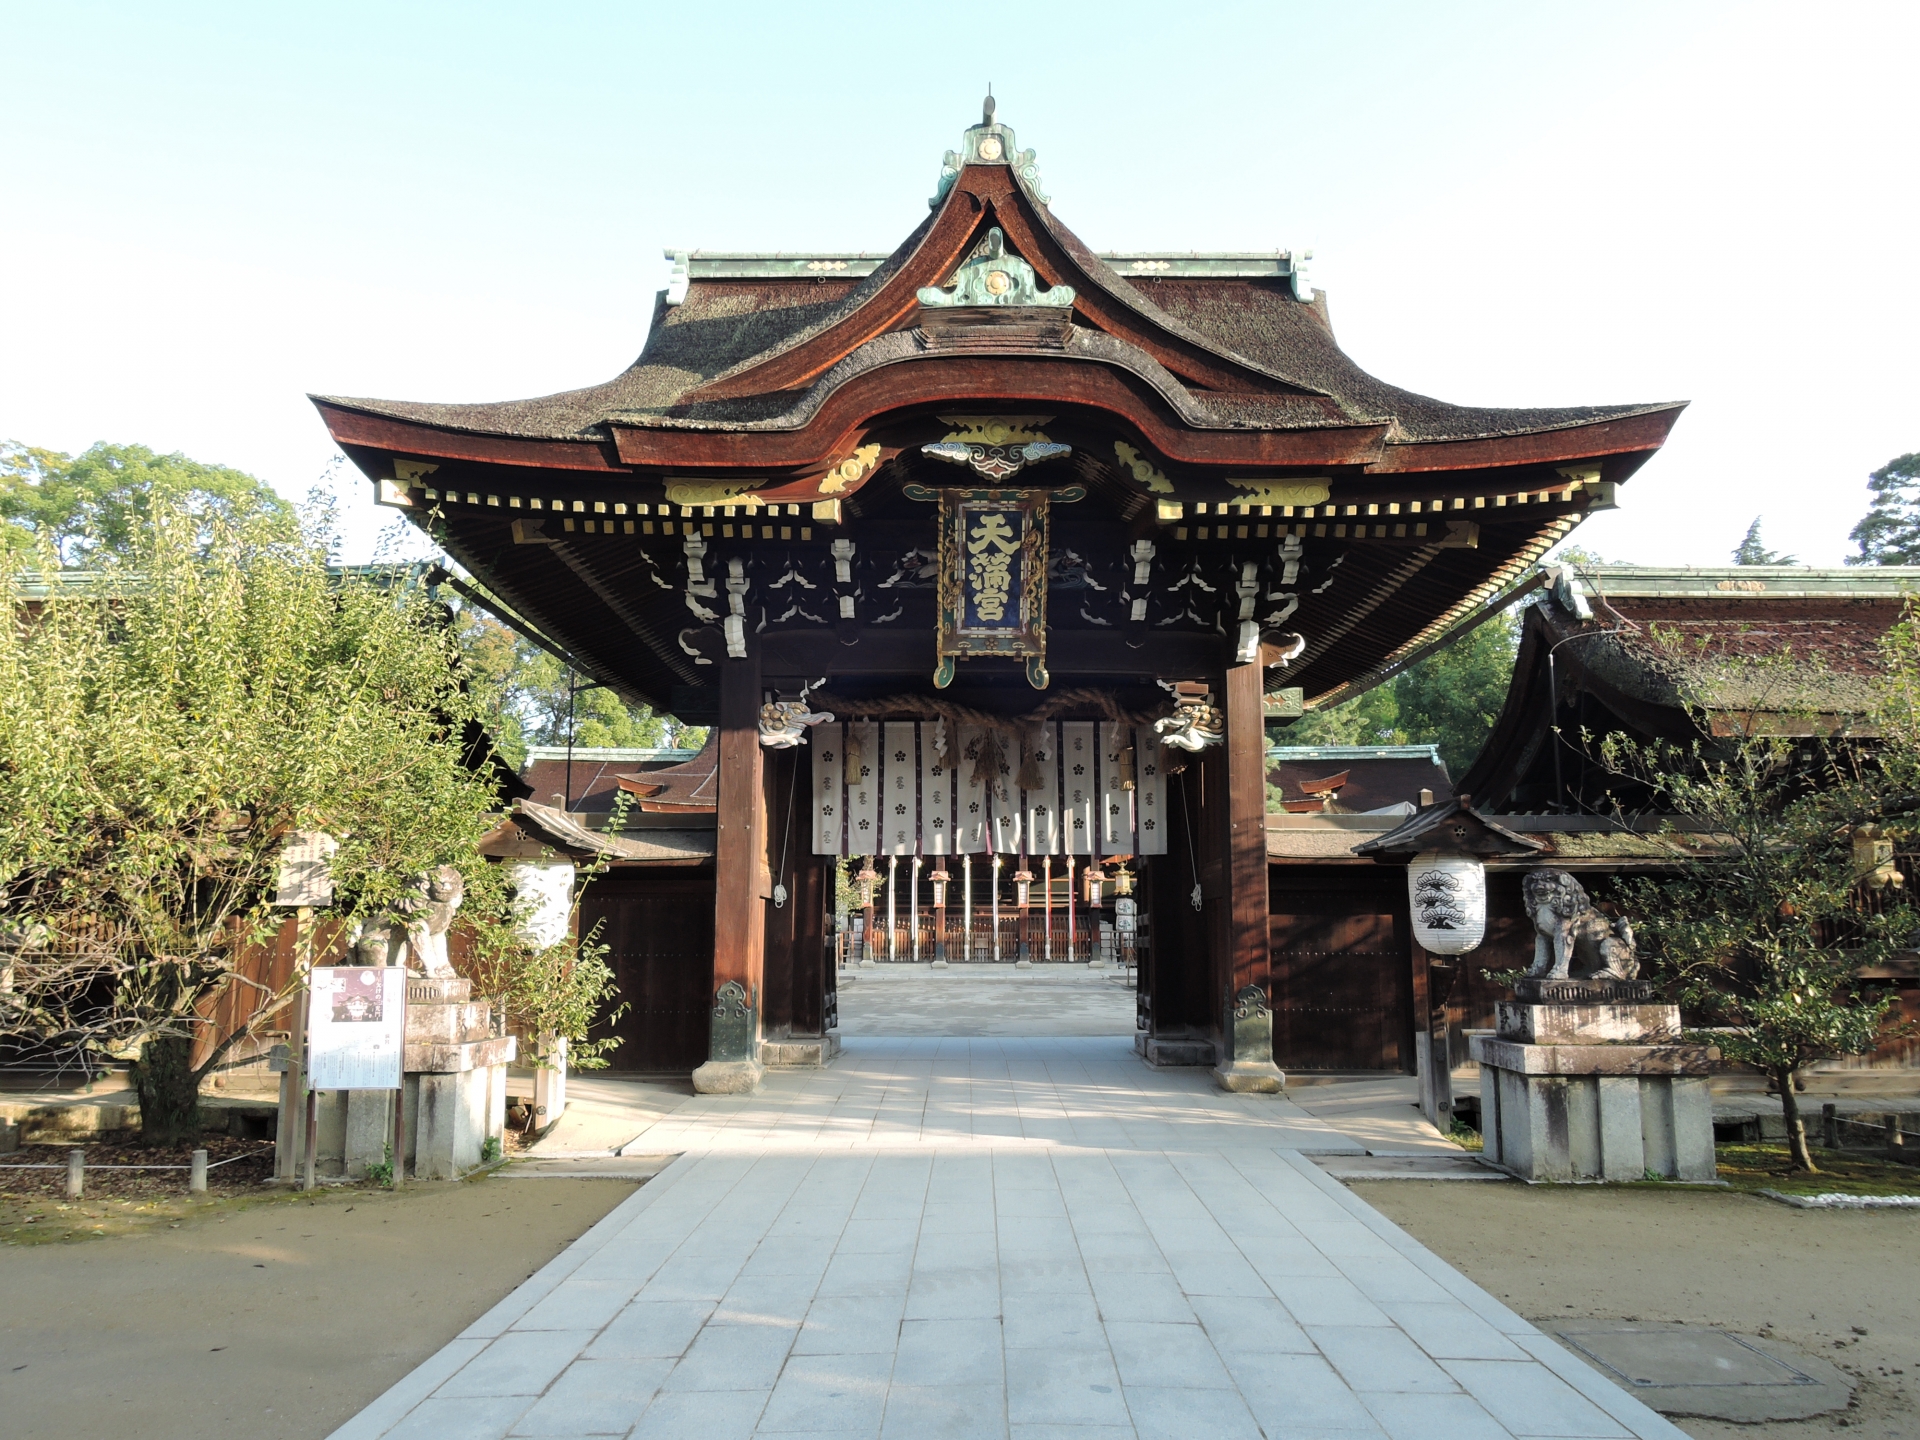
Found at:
(728, 1077)
(1251, 1077)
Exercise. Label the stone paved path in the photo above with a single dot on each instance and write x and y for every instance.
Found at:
(984, 999)
(1011, 1238)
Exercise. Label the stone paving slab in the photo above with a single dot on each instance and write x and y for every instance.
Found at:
(978, 999)
(999, 1239)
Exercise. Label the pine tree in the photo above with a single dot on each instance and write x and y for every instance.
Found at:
(1752, 552)
(1889, 533)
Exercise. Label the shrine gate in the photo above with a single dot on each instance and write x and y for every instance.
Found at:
(991, 559)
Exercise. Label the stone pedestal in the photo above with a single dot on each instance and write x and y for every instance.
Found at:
(550, 1082)
(1251, 1071)
(733, 1044)
(1588, 1080)
(456, 1078)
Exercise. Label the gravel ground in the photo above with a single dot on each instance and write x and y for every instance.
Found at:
(1836, 1284)
(275, 1315)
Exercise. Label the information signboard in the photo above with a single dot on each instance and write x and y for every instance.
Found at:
(356, 1029)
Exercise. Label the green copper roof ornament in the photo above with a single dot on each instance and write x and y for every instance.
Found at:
(993, 277)
(989, 144)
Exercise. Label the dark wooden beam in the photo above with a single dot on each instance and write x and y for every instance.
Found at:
(907, 653)
(1244, 957)
(741, 886)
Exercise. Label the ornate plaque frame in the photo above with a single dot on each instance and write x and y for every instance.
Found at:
(993, 579)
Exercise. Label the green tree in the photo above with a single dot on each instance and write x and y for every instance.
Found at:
(84, 507)
(1889, 533)
(1449, 699)
(1452, 698)
(528, 689)
(1752, 552)
(1369, 718)
(1763, 932)
(218, 690)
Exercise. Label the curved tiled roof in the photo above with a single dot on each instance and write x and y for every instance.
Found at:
(728, 327)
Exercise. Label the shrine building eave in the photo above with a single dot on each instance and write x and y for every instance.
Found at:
(776, 362)
(788, 414)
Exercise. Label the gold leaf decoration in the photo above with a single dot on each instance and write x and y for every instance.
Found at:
(995, 429)
(1142, 469)
(850, 470)
(712, 492)
(1281, 492)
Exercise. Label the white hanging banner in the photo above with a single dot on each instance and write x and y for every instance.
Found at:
(863, 788)
(936, 790)
(1043, 804)
(829, 811)
(1116, 798)
(970, 795)
(900, 799)
(1080, 784)
(1006, 829)
(1150, 793)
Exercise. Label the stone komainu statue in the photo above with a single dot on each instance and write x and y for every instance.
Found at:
(1567, 928)
(415, 933)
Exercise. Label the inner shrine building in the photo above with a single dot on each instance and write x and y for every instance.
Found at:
(991, 561)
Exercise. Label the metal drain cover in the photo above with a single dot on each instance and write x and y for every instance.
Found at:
(1716, 1374)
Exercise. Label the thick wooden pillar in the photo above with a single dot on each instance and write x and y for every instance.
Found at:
(741, 888)
(1242, 960)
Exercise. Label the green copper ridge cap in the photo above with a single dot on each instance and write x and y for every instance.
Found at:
(993, 277)
(989, 143)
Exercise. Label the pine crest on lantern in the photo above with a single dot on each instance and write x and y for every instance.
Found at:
(1448, 892)
(1444, 848)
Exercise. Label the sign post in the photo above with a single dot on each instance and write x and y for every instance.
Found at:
(305, 882)
(356, 1040)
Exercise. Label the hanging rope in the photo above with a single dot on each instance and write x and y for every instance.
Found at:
(1193, 855)
(934, 707)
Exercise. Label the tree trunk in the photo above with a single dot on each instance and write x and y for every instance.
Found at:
(169, 1090)
(1796, 1127)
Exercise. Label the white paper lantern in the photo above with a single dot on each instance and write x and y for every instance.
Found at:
(546, 899)
(1448, 896)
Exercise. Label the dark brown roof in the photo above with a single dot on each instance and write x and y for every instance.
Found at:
(690, 785)
(1371, 784)
(1261, 320)
(729, 327)
(1678, 655)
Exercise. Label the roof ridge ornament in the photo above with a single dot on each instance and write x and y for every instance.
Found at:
(994, 277)
(989, 143)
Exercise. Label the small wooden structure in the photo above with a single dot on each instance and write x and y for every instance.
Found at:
(1640, 651)
(1046, 532)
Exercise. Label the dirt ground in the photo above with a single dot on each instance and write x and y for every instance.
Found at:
(1844, 1285)
(275, 1315)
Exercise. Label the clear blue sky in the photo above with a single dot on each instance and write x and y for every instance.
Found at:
(213, 209)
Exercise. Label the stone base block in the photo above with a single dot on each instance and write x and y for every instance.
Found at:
(727, 1077)
(1588, 1024)
(369, 1130)
(452, 1114)
(1157, 1051)
(1594, 1059)
(1251, 1077)
(804, 1053)
(1570, 1128)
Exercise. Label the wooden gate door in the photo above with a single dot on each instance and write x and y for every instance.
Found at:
(659, 932)
(1342, 986)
